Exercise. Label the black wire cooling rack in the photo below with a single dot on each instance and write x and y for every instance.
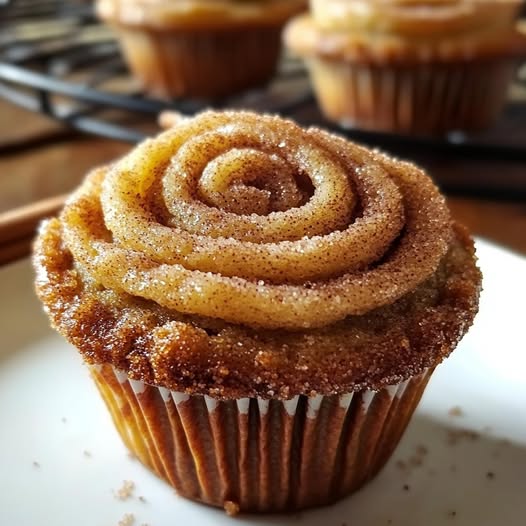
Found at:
(57, 59)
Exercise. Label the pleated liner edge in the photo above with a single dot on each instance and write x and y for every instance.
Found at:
(260, 455)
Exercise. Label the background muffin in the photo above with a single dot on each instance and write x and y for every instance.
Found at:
(410, 65)
(200, 48)
(261, 305)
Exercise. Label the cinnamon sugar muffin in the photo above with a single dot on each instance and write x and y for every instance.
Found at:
(415, 66)
(260, 305)
(200, 48)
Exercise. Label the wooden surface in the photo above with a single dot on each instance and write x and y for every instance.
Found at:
(56, 159)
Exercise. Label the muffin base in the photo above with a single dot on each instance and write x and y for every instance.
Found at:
(198, 63)
(427, 98)
(260, 455)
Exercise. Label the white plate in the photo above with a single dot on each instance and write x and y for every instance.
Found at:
(61, 460)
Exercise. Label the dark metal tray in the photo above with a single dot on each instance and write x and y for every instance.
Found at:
(56, 58)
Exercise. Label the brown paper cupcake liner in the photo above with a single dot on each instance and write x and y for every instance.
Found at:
(419, 98)
(260, 455)
(201, 63)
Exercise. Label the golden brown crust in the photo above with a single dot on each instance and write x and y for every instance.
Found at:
(198, 15)
(357, 282)
(251, 220)
(307, 38)
(424, 18)
(231, 361)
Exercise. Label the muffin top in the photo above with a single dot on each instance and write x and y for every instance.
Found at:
(408, 29)
(198, 14)
(239, 255)
(424, 18)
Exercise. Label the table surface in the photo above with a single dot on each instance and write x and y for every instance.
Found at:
(39, 158)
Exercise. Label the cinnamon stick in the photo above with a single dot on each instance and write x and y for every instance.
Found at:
(22, 222)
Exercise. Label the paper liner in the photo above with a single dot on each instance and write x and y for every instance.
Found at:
(201, 63)
(420, 98)
(261, 455)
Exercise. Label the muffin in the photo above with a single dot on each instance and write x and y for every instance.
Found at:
(260, 305)
(200, 48)
(410, 66)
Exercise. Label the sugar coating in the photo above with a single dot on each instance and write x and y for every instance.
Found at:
(415, 18)
(326, 266)
(303, 267)
(399, 32)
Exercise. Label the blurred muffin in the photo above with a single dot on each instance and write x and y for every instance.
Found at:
(261, 306)
(200, 48)
(410, 65)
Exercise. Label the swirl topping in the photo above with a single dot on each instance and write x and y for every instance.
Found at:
(253, 220)
(199, 13)
(414, 17)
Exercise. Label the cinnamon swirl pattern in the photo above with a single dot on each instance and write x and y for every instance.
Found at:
(261, 306)
(254, 221)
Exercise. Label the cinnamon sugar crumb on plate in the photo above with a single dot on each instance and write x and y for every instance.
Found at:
(231, 508)
(421, 450)
(125, 491)
(415, 460)
(127, 520)
(456, 411)
(454, 436)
